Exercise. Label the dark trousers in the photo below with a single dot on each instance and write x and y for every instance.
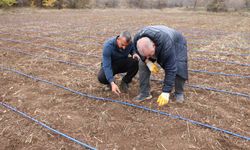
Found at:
(179, 85)
(129, 66)
(144, 78)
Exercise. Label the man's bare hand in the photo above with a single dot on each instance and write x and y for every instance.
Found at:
(136, 57)
(115, 88)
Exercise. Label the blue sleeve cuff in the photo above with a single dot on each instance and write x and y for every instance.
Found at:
(111, 80)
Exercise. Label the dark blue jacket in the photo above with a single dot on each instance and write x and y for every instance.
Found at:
(171, 52)
(111, 53)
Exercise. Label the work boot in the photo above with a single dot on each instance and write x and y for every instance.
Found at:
(142, 97)
(179, 98)
(124, 86)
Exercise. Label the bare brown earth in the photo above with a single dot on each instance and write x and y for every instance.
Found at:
(107, 125)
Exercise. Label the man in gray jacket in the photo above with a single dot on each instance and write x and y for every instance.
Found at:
(169, 48)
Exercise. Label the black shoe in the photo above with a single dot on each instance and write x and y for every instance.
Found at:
(141, 98)
(179, 98)
(124, 86)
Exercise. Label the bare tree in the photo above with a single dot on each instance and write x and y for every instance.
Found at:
(136, 3)
(217, 5)
(39, 3)
(236, 5)
(248, 4)
(195, 3)
(161, 4)
(59, 4)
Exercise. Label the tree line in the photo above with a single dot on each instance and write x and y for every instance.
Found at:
(210, 5)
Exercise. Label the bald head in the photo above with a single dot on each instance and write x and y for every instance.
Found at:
(146, 47)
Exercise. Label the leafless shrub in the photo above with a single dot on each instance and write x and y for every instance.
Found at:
(75, 3)
(217, 6)
(235, 5)
(210, 5)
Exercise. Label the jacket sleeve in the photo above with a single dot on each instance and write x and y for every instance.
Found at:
(136, 38)
(132, 49)
(106, 63)
(170, 68)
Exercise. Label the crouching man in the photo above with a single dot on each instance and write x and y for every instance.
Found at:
(169, 48)
(115, 60)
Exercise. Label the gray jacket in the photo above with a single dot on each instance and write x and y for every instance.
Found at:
(171, 52)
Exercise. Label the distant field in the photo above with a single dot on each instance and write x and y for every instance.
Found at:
(65, 47)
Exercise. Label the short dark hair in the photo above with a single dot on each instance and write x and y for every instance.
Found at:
(127, 36)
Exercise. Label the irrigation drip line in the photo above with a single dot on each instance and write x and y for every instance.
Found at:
(221, 61)
(50, 47)
(192, 86)
(217, 90)
(46, 126)
(185, 30)
(219, 73)
(58, 40)
(80, 42)
(196, 51)
(198, 86)
(94, 55)
(211, 89)
(49, 58)
(212, 32)
(227, 46)
(69, 51)
(128, 104)
(220, 53)
(85, 65)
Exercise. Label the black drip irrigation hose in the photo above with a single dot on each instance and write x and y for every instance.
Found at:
(51, 47)
(46, 126)
(221, 61)
(94, 55)
(128, 104)
(220, 53)
(95, 37)
(196, 51)
(192, 86)
(211, 89)
(85, 65)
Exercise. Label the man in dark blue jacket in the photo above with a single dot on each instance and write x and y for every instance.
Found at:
(115, 60)
(169, 48)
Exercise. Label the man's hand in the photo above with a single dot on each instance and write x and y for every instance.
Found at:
(163, 99)
(115, 88)
(152, 66)
(136, 57)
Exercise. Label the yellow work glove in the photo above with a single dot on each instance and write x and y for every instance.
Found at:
(163, 99)
(152, 66)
